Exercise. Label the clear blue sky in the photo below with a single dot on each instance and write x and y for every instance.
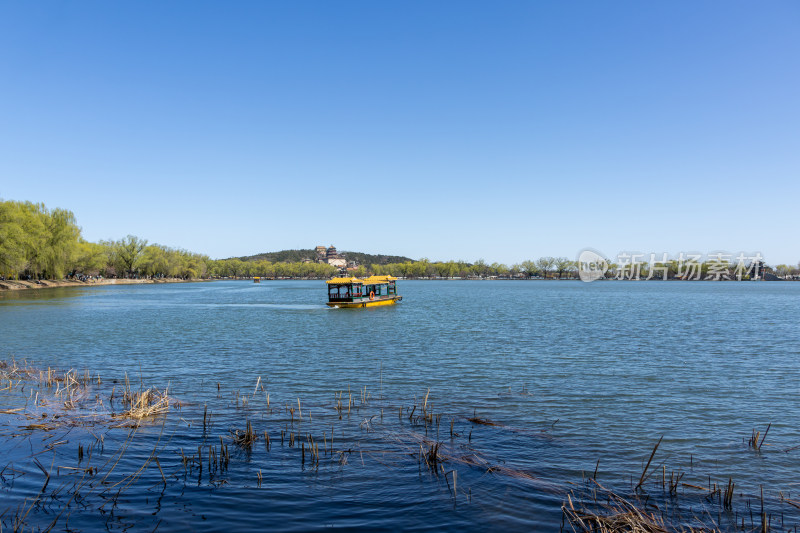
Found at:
(449, 130)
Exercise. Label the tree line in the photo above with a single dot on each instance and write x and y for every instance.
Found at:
(237, 268)
(545, 267)
(41, 243)
(548, 267)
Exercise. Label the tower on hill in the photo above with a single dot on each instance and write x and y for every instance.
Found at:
(331, 256)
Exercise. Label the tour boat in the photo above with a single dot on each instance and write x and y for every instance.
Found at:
(367, 292)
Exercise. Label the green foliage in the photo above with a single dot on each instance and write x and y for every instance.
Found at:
(127, 254)
(529, 268)
(236, 268)
(443, 269)
(91, 257)
(35, 241)
(545, 265)
(284, 256)
(157, 261)
(562, 265)
(13, 245)
(60, 242)
(480, 269)
(40, 243)
(378, 259)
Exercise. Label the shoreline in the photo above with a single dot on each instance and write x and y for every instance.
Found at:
(20, 285)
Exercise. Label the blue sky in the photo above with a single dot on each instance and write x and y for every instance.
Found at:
(448, 130)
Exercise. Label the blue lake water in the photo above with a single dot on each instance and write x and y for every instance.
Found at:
(570, 373)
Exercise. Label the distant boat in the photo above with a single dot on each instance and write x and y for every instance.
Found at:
(256, 280)
(367, 292)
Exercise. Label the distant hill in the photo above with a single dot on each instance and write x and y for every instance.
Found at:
(284, 256)
(295, 256)
(374, 259)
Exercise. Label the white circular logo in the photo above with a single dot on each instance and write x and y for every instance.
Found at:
(591, 265)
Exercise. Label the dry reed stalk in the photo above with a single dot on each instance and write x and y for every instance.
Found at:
(245, 439)
(604, 511)
(728, 501)
(765, 435)
(644, 472)
(145, 404)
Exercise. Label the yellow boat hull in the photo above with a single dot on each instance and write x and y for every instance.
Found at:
(369, 303)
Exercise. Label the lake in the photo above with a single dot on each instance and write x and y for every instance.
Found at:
(544, 383)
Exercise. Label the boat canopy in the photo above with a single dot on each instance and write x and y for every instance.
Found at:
(372, 280)
(375, 280)
(345, 281)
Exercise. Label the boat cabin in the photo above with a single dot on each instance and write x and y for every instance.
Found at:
(367, 292)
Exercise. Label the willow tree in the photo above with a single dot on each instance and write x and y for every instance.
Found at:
(37, 241)
(61, 242)
(90, 258)
(127, 254)
(155, 261)
(33, 226)
(12, 240)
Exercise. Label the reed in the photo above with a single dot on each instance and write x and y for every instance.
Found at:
(432, 457)
(644, 471)
(728, 501)
(619, 515)
(754, 442)
(399, 440)
(246, 438)
(145, 404)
